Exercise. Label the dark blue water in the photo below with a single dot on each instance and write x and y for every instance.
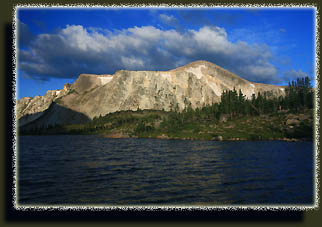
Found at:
(93, 170)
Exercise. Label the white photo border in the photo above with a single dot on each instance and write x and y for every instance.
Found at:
(94, 207)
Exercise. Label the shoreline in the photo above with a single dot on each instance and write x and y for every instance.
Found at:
(165, 137)
(162, 137)
(161, 125)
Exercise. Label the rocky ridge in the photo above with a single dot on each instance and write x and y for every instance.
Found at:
(197, 84)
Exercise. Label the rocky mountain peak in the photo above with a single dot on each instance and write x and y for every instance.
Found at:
(197, 84)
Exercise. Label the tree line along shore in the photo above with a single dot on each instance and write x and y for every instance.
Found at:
(262, 117)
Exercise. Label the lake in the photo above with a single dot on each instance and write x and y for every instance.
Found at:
(88, 170)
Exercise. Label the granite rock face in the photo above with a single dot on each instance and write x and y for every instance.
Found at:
(197, 84)
(29, 109)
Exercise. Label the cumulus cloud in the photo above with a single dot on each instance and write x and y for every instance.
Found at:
(75, 50)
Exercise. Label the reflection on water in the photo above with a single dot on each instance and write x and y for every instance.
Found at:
(95, 170)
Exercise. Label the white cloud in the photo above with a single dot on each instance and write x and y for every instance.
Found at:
(212, 39)
(169, 20)
(75, 49)
(132, 62)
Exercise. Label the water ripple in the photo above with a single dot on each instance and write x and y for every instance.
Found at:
(56, 170)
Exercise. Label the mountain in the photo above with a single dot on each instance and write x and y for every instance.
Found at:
(197, 84)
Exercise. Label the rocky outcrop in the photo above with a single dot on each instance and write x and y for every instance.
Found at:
(218, 138)
(292, 122)
(197, 84)
(30, 109)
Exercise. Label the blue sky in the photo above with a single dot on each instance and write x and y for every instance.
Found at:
(264, 45)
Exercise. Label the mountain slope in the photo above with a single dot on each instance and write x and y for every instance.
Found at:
(197, 84)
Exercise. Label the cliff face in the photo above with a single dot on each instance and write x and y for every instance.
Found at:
(199, 83)
(30, 109)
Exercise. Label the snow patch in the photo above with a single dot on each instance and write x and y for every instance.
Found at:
(104, 79)
(251, 92)
(196, 71)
